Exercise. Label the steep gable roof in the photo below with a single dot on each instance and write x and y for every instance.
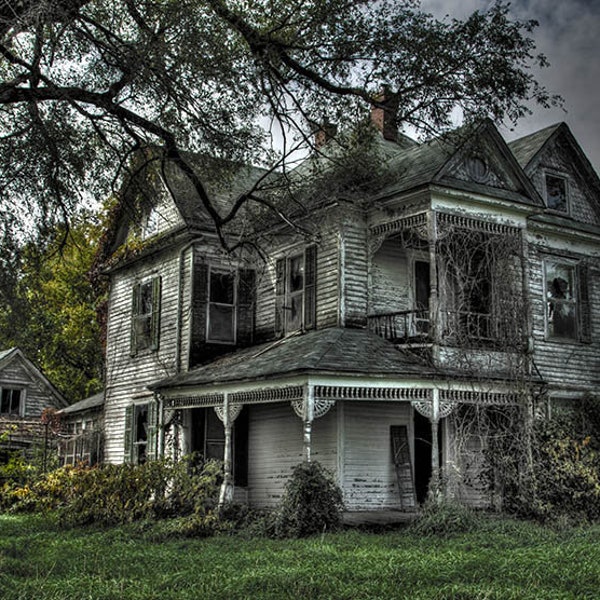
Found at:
(525, 148)
(441, 161)
(8, 356)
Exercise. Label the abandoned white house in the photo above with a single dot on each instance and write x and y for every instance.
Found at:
(25, 393)
(472, 277)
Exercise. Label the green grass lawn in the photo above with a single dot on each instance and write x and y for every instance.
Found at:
(502, 559)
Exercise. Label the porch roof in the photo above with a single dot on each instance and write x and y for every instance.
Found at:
(335, 350)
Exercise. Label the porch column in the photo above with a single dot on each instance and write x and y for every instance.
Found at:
(434, 324)
(309, 410)
(435, 483)
(227, 414)
(308, 414)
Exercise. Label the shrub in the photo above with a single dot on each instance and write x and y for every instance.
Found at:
(117, 494)
(561, 478)
(312, 503)
(445, 519)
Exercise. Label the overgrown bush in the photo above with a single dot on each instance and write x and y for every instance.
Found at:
(312, 503)
(554, 472)
(116, 494)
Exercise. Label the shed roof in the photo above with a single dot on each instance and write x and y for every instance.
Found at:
(95, 401)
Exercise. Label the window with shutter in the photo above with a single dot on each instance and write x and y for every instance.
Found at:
(563, 318)
(295, 292)
(585, 312)
(145, 322)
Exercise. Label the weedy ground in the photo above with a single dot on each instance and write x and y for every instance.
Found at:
(497, 558)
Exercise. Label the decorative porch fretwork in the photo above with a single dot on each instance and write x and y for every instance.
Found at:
(446, 220)
(321, 407)
(412, 222)
(282, 394)
(473, 397)
(337, 392)
(426, 409)
(234, 412)
(194, 401)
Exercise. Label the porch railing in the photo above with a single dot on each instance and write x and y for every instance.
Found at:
(456, 327)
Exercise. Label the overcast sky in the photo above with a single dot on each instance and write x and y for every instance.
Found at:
(569, 36)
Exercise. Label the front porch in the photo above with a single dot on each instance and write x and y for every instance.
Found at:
(370, 413)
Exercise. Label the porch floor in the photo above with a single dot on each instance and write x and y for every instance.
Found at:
(378, 517)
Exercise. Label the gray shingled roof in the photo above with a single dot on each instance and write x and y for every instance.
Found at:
(334, 350)
(524, 149)
(94, 401)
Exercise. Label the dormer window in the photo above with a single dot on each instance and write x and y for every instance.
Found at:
(556, 193)
(150, 224)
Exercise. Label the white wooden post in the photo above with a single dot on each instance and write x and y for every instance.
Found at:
(434, 485)
(226, 493)
(308, 414)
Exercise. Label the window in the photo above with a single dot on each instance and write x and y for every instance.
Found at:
(556, 193)
(11, 402)
(221, 307)
(140, 432)
(150, 223)
(208, 438)
(561, 311)
(421, 295)
(145, 316)
(295, 291)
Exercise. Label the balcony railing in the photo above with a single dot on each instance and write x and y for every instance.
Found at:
(456, 327)
(401, 326)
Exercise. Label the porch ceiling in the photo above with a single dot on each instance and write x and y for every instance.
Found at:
(356, 352)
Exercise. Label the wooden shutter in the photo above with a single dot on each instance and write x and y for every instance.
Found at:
(128, 453)
(199, 307)
(135, 306)
(279, 296)
(151, 448)
(583, 304)
(155, 318)
(245, 306)
(310, 287)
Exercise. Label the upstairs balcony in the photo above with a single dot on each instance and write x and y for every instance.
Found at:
(456, 328)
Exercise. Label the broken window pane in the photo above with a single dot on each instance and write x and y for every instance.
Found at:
(556, 193)
(561, 315)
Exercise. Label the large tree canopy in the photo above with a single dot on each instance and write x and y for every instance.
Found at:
(85, 84)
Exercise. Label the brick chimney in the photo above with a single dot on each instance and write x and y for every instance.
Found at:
(383, 114)
(324, 133)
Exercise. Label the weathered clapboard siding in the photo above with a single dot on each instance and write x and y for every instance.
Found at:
(128, 376)
(563, 363)
(328, 257)
(354, 272)
(368, 475)
(389, 279)
(275, 447)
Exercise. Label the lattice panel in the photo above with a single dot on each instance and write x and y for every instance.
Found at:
(472, 397)
(282, 394)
